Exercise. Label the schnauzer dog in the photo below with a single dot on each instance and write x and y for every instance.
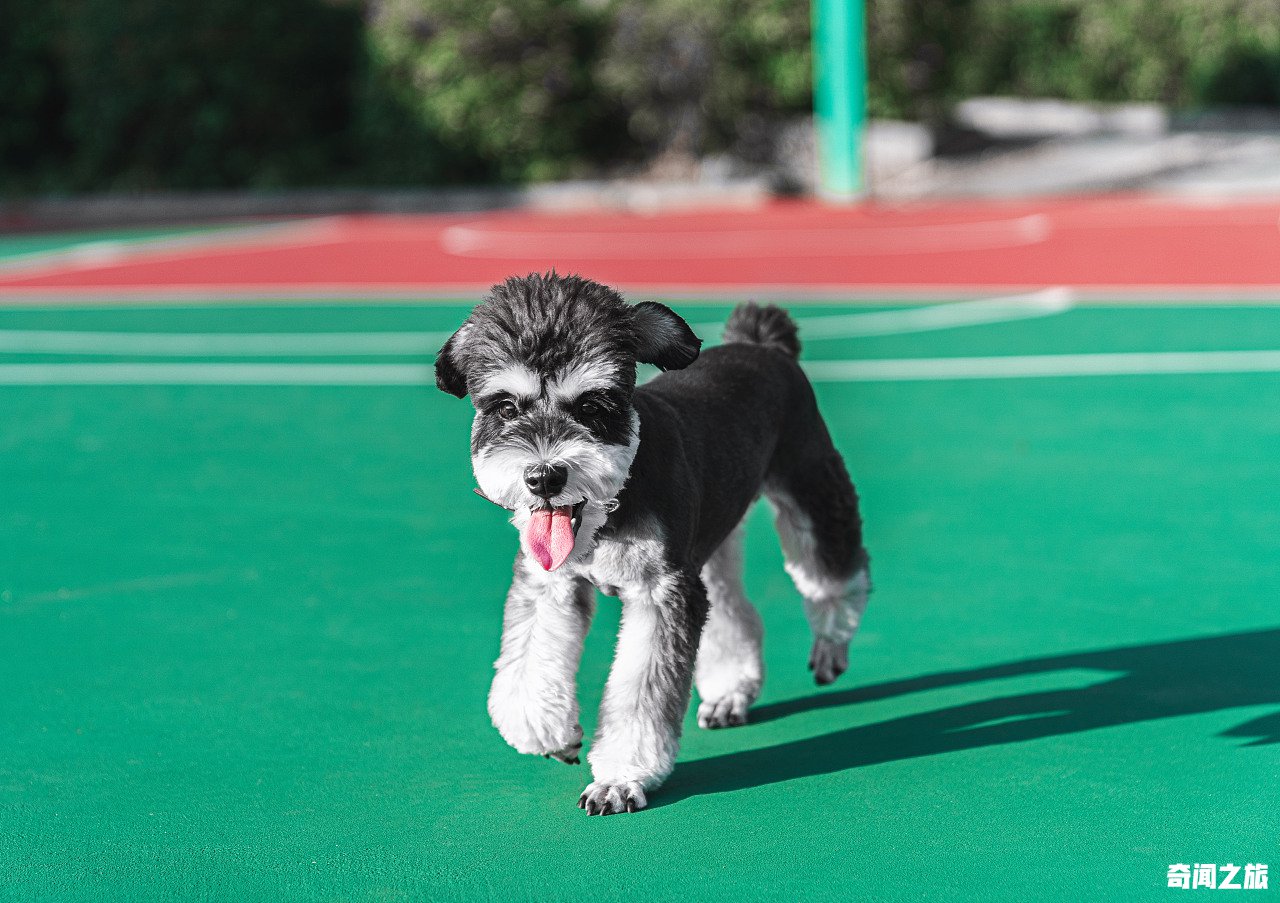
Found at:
(639, 492)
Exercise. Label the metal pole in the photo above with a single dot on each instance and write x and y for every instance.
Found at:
(840, 96)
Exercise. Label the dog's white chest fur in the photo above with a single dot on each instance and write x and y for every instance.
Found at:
(629, 564)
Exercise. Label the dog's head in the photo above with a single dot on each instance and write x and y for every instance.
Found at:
(550, 365)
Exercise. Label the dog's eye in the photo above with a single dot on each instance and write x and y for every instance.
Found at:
(589, 408)
(507, 410)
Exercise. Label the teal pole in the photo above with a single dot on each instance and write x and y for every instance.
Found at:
(840, 96)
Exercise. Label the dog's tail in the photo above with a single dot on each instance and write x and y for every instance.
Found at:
(770, 326)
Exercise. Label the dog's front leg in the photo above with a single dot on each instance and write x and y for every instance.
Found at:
(647, 693)
(533, 701)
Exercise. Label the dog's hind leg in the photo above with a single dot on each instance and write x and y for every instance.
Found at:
(730, 667)
(816, 513)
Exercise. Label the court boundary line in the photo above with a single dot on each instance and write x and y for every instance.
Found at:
(220, 344)
(957, 314)
(355, 294)
(1119, 363)
(874, 370)
(216, 374)
(393, 342)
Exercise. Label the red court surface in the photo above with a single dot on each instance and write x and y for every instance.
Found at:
(1104, 247)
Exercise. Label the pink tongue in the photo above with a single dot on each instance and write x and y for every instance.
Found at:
(548, 536)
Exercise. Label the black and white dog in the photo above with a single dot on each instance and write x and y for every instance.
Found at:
(639, 491)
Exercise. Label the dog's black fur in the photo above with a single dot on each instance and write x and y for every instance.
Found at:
(709, 419)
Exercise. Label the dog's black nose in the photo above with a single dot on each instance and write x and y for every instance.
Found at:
(546, 480)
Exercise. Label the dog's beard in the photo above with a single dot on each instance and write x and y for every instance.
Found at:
(554, 530)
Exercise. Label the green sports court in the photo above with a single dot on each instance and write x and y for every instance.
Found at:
(249, 605)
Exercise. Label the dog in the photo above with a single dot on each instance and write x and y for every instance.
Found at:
(640, 492)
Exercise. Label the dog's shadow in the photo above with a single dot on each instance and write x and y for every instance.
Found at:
(1161, 680)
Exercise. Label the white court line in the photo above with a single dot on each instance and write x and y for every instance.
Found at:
(197, 344)
(926, 319)
(171, 295)
(351, 344)
(479, 241)
(1023, 366)
(216, 374)
(939, 316)
(891, 370)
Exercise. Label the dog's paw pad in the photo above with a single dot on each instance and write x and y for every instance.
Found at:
(730, 711)
(828, 660)
(604, 798)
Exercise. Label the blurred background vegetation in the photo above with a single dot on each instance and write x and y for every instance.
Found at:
(165, 94)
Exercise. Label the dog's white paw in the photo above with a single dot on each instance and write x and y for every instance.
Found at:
(728, 711)
(605, 798)
(534, 738)
(828, 660)
(569, 753)
(535, 726)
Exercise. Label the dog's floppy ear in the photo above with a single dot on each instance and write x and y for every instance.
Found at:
(663, 338)
(450, 374)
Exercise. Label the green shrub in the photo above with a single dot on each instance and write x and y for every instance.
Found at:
(172, 94)
(33, 144)
(505, 84)
(391, 141)
(925, 54)
(161, 94)
(699, 75)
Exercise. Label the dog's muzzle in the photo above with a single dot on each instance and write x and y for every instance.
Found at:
(550, 532)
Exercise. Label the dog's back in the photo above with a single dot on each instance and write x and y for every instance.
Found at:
(722, 419)
(745, 421)
(744, 395)
(735, 378)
